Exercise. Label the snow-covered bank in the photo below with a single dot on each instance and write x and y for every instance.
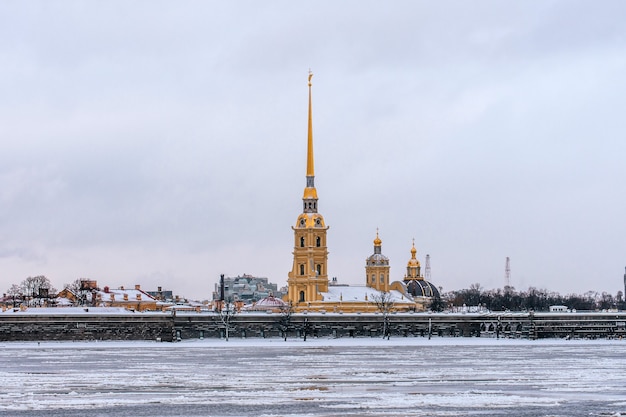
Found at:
(311, 342)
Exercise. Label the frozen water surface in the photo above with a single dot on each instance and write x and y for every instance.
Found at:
(319, 377)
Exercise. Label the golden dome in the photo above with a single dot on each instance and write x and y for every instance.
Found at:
(413, 261)
(377, 241)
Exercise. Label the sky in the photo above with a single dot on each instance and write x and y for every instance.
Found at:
(163, 143)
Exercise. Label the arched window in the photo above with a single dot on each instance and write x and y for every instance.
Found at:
(302, 241)
(318, 241)
(301, 296)
(301, 269)
(319, 269)
(382, 278)
(373, 278)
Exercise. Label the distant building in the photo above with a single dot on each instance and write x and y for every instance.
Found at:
(247, 288)
(161, 294)
(134, 299)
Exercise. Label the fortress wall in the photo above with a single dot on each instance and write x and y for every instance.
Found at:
(97, 327)
(167, 327)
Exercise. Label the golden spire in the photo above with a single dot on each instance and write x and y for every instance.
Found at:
(310, 193)
(310, 170)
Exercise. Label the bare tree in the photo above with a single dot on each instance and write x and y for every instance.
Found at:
(37, 288)
(385, 304)
(284, 322)
(226, 313)
(15, 292)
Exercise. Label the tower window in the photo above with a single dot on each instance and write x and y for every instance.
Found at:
(318, 241)
(301, 269)
(382, 278)
(302, 241)
(301, 299)
(319, 269)
(373, 279)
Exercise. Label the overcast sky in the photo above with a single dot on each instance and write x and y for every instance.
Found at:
(164, 143)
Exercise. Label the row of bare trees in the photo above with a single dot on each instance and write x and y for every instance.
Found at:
(33, 291)
(532, 299)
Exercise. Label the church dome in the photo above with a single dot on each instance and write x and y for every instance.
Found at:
(270, 303)
(413, 262)
(422, 288)
(377, 258)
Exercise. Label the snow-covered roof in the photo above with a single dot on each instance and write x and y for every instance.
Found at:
(117, 294)
(358, 293)
(267, 303)
(51, 311)
(62, 301)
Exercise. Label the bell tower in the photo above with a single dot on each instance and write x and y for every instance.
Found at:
(309, 275)
(377, 268)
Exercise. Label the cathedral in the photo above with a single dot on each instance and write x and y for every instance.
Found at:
(309, 288)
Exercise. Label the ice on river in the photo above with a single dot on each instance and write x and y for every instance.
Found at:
(319, 377)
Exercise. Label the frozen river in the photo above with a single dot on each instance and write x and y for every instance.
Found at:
(320, 377)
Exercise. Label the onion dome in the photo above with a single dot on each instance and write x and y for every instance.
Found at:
(377, 258)
(377, 241)
(413, 269)
(413, 262)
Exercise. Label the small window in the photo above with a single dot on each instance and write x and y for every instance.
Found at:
(319, 269)
(302, 241)
(318, 241)
(301, 299)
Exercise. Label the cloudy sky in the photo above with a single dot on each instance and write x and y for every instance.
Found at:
(163, 143)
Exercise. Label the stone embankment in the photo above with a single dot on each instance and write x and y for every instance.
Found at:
(119, 324)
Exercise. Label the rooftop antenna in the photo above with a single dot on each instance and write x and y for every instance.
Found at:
(427, 268)
(507, 273)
